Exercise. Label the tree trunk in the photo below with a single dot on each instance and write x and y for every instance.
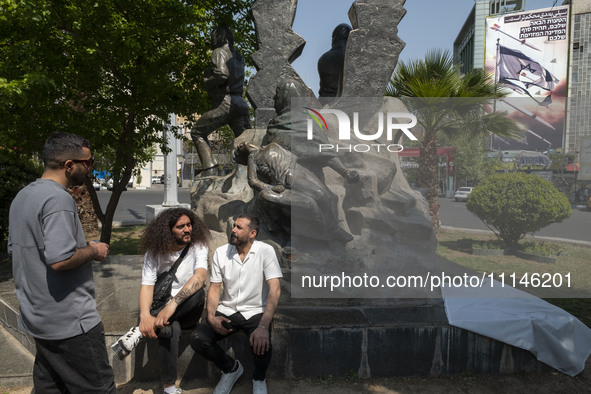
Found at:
(106, 218)
(428, 167)
(86, 213)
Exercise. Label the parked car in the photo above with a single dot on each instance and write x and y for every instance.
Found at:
(97, 183)
(462, 193)
(157, 179)
(110, 183)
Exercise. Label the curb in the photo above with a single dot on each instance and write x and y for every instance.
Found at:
(555, 239)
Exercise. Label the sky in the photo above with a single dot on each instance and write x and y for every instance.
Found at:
(428, 24)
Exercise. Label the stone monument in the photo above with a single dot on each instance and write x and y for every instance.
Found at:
(224, 82)
(331, 64)
(382, 226)
(277, 47)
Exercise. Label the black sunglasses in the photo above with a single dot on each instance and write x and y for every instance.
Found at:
(88, 163)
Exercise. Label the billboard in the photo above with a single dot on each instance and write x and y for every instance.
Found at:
(527, 52)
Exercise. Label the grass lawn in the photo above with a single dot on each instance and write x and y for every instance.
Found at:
(126, 240)
(574, 263)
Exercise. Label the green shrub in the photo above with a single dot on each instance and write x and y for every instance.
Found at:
(491, 244)
(16, 171)
(541, 248)
(515, 204)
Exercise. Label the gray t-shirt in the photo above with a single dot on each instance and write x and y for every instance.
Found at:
(44, 229)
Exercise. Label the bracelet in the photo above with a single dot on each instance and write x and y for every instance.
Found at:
(262, 327)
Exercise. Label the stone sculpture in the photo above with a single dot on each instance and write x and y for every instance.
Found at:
(373, 41)
(289, 129)
(389, 222)
(368, 195)
(224, 82)
(331, 64)
(277, 47)
(282, 185)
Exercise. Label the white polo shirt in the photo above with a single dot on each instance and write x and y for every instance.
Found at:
(244, 282)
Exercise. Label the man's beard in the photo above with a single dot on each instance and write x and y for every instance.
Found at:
(77, 179)
(234, 240)
(181, 241)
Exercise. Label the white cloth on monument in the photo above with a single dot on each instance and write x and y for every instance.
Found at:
(551, 334)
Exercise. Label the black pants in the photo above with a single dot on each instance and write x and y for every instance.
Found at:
(204, 341)
(186, 316)
(74, 365)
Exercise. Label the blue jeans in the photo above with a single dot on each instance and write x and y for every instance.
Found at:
(74, 365)
(204, 341)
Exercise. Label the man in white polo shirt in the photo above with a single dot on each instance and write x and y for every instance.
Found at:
(249, 272)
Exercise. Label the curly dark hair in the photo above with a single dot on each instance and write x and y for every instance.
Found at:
(157, 239)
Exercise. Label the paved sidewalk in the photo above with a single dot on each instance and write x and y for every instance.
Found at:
(549, 383)
(16, 367)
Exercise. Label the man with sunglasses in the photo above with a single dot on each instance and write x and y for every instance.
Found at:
(52, 271)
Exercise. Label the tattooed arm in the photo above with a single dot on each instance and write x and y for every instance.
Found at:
(195, 282)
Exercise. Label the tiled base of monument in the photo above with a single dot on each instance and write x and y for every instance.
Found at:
(370, 342)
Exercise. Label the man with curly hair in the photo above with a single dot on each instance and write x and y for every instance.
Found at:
(250, 274)
(162, 243)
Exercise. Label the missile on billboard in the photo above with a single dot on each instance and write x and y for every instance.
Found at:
(540, 137)
(530, 114)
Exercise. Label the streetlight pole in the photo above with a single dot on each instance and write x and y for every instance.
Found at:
(170, 174)
(170, 164)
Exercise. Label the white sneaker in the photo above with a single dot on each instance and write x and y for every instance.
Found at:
(127, 342)
(177, 391)
(227, 380)
(259, 386)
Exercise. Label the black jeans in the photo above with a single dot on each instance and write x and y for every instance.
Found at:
(186, 316)
(204, 341)
(74, 365)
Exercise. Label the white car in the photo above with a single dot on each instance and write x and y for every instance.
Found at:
(110, 184)
(462, 193)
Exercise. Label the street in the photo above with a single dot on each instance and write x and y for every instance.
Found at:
(132, 204)
(132, 207)
(577, 227)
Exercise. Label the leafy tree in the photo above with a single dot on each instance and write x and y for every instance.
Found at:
(515, 204)
(16, 171)
(445, 102)
(111, 71)
(469, 164)
(559, 160)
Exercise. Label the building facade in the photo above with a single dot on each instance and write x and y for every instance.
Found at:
(468, 47)
(578, 118)
(469, 52)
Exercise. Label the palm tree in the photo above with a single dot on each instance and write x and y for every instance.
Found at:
(445, 101)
